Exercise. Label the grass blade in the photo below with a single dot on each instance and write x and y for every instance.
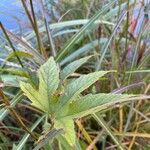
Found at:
(70, 43)
(26, 136)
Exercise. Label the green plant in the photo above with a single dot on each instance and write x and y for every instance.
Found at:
(63, 103)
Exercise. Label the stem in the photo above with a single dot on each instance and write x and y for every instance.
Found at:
(11, 45)
(14, 114)
(40, 45)
(50, 39)
(103, 124)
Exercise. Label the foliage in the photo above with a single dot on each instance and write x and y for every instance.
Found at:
(63, 109)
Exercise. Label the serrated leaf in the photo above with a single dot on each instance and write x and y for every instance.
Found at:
(48, 79)
(34, 96)
(76, 87)
(72, 67)
(68, 126)
(48, 83)
(92, 103)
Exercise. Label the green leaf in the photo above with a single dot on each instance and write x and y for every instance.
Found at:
(84, 49)
(77, 86)
(48, 80)
(79, 35)
(34, 96)
(72, 67)
(48, 83)
(19, 54)
(63, 143)
(26, 45)
(138, 71)
(17, 98)
(68, 126)
(67, 24)
(10, 80)
(15, 71)
(5, 141)
(93, 103)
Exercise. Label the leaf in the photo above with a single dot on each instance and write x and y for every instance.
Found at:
(106, 46)
(17, 98)
(48, 137)
(24, 44)
(138, 71)
(48, 79)
(92, 103)
(68, 126)
(67, 24)
(85, 49)
(34, 96)
(79, 35)
(125, 88)
(63, 143)
(73, 89)
(48, 83)
(4, 141)
(19, 54)
(11, 80)
(72, 67)
(15, 71)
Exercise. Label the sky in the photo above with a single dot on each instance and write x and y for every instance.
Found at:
(10, 13)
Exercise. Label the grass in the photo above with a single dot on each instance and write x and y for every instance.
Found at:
(83, 37)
